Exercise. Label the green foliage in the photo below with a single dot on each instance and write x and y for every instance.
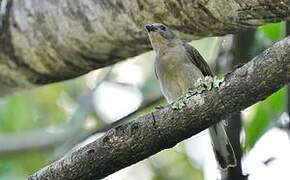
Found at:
(262, 116)
(273, 31)
(174, 164)
(31, 110)
(15, 166)
(39, 108)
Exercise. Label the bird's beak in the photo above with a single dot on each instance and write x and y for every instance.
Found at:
(150, 27)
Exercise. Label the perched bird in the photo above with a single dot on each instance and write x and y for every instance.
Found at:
(178, 66)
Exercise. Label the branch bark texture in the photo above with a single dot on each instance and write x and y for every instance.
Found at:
(147, 135)
(49, 41)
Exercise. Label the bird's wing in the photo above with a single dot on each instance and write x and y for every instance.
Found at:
(197, 60)
(155, 67)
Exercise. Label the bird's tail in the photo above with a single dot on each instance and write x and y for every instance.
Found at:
(222, 147)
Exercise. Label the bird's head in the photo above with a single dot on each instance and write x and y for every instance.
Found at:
(160, 35)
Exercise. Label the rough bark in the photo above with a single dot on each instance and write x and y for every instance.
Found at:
(134, 141)
(49, 41)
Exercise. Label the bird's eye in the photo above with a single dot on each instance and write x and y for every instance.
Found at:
(163, 28)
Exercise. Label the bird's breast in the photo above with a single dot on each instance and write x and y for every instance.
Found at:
(176, 74)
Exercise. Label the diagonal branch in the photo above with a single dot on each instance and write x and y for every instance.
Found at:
(147, 135)
(49, 41)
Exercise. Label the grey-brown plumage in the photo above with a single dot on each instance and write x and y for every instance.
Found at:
(178, 66)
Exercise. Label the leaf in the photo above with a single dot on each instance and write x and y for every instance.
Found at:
(273, 31)
(262, 116)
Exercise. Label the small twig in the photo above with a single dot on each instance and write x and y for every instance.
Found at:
(124, 119)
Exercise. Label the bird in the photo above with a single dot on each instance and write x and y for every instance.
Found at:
(178, 66)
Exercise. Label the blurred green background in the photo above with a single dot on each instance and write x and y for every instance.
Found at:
(40, 125)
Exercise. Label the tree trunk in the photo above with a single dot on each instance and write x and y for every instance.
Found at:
(48, 41)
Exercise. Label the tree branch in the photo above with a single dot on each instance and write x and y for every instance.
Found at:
(49, 41)
(36, 140)
(164, 128)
